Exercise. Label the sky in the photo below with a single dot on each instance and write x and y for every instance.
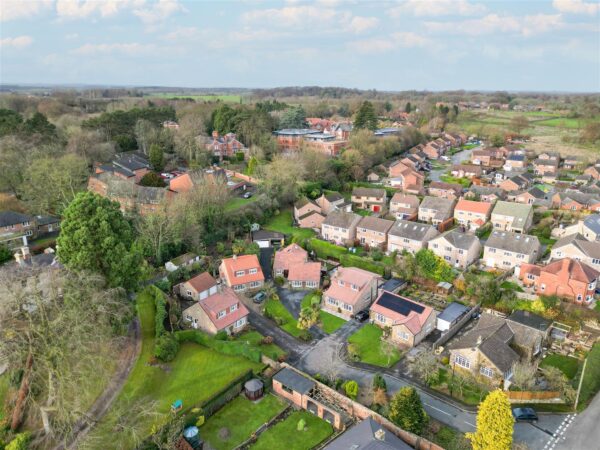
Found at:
(522, 45)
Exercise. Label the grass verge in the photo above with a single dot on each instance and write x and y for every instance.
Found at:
(275, 310)
(370, 348)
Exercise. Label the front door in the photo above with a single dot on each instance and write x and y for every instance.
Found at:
(376, 208)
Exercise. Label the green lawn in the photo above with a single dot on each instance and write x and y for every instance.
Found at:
(563, 122)
(465, 182)
(283, 223)
(275, 310)
(326, 250)
(364, 212)
(194, 376)
(285, 433)
(239, 202)
(242, 418)
(4, 384)
(327, 322)
(367, 341)
(273, 351)
(566, 364)
(591, 378)
(511, 286)
(597, 307)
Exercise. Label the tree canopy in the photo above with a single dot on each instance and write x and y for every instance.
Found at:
(406, 410)
(365, 117)
(494, 423)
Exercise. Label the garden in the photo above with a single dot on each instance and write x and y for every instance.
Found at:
(566, 364)
(368, 346)
(275, 310)
(283, 223)
(327, 322)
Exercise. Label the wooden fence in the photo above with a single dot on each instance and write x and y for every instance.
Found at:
(517, 396)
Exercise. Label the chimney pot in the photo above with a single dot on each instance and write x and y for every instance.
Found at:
(380, 434)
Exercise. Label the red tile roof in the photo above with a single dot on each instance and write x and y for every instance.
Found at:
(305, 272)
(473, 206)
(202, 282)
(413, 321)
(349, 276)
(245, 263)
(289, 256)
(577, 270)
(221, 301)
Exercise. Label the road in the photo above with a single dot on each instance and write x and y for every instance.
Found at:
(581, 431)
(457, 158)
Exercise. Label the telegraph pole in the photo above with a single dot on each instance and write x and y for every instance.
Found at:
(580, 383)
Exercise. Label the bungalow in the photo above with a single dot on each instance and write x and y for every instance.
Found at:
(472, 214)
(575, 246)
(533, 196)
(516, 183)
(410, 322)
(457, 249)
(372, 199)
(305, 276)
(404, 206)
(373, 231)
(351, 290)
(242, 272)
(435, 210)
(572, 200)
(505, 250)
(512, 217)
(466, 170)
(450, 191)
(187, 259)
(545, 166)
(340, 227)
(565, 277)
(488, 194)
(410, 236)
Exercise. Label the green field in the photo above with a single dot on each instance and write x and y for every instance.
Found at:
(283, 223)
(228, 98)
(194, 376)
(368, 344)
(286, 435)
(241, 417)
(566, 364)
(563, 122)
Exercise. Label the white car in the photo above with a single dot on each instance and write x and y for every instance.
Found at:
(445, 158)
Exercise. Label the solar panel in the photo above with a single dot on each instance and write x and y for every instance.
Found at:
(399, 304)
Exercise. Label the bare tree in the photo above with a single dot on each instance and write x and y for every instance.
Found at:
(524, 375)
(425, 366)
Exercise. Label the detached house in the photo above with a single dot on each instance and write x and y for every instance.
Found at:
(515, 217)
(403, 175)
(404, 206)
(576, 201)
(593, 171)
(517, 183)
(450, 191)
(292, 263)
(575, 246)
(340, 227)
(505, 250)
(545, 166)
(374, 200)
(410, 322)
(225, 146)
(333, 202)
(308, 214)
(198, 288)
(435, 210)
(351, 290)
(488, 194)
(242, 272)
(471, 214)
(566, 278)
(373, 231)
(533, 196)
(457, 249)
(410, 236)
(466, 170)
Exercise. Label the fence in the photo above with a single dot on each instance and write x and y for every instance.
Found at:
(456, 327)
(538, 396)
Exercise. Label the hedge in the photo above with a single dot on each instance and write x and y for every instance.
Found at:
(160, 304)
(362, 263)
(234, 348)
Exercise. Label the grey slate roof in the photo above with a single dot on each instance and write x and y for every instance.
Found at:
(516, 210)
(375, 224)
(592, 222)
(513, 242)
(537, 193)
(459, 240)
(411, 230)
(529, 319)
(589, 248)
(8, 218)
(365, 436)
(341, 219)
(368, 192)
(266, 234)
(45, 220)
(293, 380)
(443, 206)
(452, 312)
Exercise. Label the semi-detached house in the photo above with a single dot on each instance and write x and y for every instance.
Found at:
(410, 236)
(340, 227)
(457, 249)
(373, 231)
(515, 217)
(505, 250)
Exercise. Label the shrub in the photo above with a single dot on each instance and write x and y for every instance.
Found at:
(351, 389)
(445, 360)
(166, 347)
(19, 442)
(163, 285)
(221, 336)
(305, 335)
(279, 280)
(266, 340)
(301, 425)
(353, 351)
(379, 382)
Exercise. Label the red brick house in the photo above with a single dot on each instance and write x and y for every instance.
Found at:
(225, 146)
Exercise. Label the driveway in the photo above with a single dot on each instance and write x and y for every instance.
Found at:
(264, 258)
(292, 299)
(457, 158)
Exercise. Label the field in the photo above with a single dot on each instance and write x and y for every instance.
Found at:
(241, 418)
(228, 98)
(194, 376)
(286, 433)
(368, 344)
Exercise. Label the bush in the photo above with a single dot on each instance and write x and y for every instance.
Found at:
(301, 425)
(221, 336)
(266, 340)
(20, 442)
(445, 360)
(163, 285)
(279, 280)
(351, 389)
(379, 382)
(166, 347)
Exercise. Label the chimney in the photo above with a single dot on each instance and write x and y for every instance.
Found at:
(479, 340)
(380, 434)
(234, 256)
(215, 134)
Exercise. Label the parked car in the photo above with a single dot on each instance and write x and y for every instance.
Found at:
(363, 315)
(259, 298)
(524, 415)
(248, 194)
(445, 158)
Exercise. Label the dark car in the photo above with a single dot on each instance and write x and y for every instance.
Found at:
(248, 194)
(361, 316)
(258, 298)
(524, 415)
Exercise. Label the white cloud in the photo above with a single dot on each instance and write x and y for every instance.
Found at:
(291, 16)
(405, 39)
(360, 24)
(131, 49)
(158, 11)
(576, 7)
(19, 9)
(373, 45)
(79, 9)
(437, 8)
(71, 36)
(494, 23)
(16, 42)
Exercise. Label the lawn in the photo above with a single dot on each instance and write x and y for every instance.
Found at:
(364, 212)
(563, 122)
(239, 202)
(465, 182)
(326, 250)
(597, 307)
(283, 223)
(241, 417)
(367, 342)
(511, 286)
(194, 376)
(566, 364)
(591, 378)
(327, 322)
(273, 351)
(286, 434)
(4, 384)
(275, 310)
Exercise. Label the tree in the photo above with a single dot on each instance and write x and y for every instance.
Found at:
(427, 263)
(524, 375)
(497, 140)
(407, 107)
(38, 124)
(143, 134)
(494, 423)
(5, 254)
(96, 237)
(156, 231)
(152, 179)
(281, 178)
(406, 410)
(557, 381)
(365, 117)
(388, 106)
(351, 389)
(308, 317)
(519, 123)
(10, 122)
(157, 157)
(294, 117)
(425, 366)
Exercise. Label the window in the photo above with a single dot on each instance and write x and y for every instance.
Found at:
(380, 318)
(530, 276)
(347, 307)
(239, 273)
(189, 293)
(486, 371)
(239, 287)
(403, 335)
(341, 282)
(240, 322)
(332, 301)
(492, 250)
(435, 246)
(354, 287)
(460, 252)
(233, 308)
(507, 253)
(594, 261)
(448, 249)
(506, 263)
(221, 314)
(255, 284)
(579, 297)
(296, 283)
(29, 233)
(462, 361)
(252, 271)
(520, 256)
(406, 241)
(543, 287)
(448, 258)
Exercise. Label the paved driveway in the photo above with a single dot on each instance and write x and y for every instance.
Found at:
(292, 299)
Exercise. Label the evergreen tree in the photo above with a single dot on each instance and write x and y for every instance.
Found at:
(494, 424)
(408, 107)
(406, 410)
(152, 179)
(294, 117)
(156, 157)
(365, 117)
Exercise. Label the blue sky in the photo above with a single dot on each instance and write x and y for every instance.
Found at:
(385, 45)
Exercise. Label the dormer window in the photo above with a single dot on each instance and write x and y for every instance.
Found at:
(233, 308)
(341, 282)
(221, 314)
(240, 273)
(252, 271)
(354, 287)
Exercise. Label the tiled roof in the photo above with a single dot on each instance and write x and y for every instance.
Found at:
(473, 206)
(243, 262)
(310, 271)
(517, 210)
(349, 276)
(588, 248)
(341, 219)
(220, 301)
(412, 230)
(202, 282)
(513, 242)
(8, 218)
(459, 240)
(368, 192)
(375, 224)
(289, 256)
(577, 270)
(403, 312)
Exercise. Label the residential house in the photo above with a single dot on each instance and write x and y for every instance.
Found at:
(308, 214)
(242, 272)
(593, 171)
(505, 250)
(533, 196)
(292, 263)
(372, 177)
(472, 214)
(373, 231)
(226, 146)
(515, 161)
(488, 194)
(455, 140)
(575, 246)
(591, 227)
(342, 130)
(466, 170)
(572, 162)
(405, 176)
(517, 182)
(509, 216)
(340, 227)
(291, 139)
(16, 228)
(325, 143)
(450, 191)
(126, 166)
(410, 322)
(549, 156)
(404, 206)
(410, 236)
(351, 290)
(187, 259)
(488, 157)
(288, 256)
(197, 288)
(566, 278)
(333, 202)
(435, 210)
(572, 200)
(545, 166)
(457, 249)
(372, 199)
(367, 435)
(268, 239)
